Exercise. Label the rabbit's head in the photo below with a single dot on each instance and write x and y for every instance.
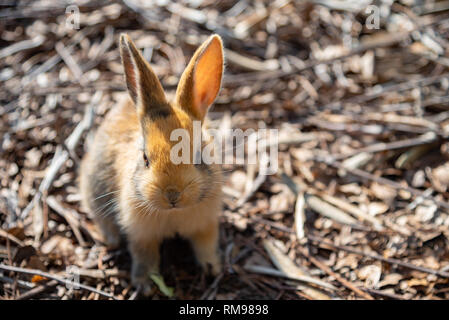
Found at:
(159, 182)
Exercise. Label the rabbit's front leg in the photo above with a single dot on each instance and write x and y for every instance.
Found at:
(145, 261)
(110, 231)
(205, 245)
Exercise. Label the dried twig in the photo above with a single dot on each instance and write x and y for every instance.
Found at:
(37, 290)
(58, 279)
(329, 271)
(369, 176)
(277, 273)
(61, 156)
(401, 263)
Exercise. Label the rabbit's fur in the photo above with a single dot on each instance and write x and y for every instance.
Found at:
(129, 184)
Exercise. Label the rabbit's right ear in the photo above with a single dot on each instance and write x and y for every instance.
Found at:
(143, 85)
(200, 83)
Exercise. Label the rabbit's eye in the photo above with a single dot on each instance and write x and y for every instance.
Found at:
(145, 160)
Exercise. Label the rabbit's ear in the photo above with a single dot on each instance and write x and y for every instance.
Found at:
(201, 80)
(143, 85)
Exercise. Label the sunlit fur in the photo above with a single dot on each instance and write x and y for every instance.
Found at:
(121, 192)
(144, 188)
(141, 189)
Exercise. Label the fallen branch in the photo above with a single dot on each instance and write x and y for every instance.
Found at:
(366, 175)
(276, 273)
(327, 244)
(58, 279)
(426, 138)
(391, 40)
(337, 277)
(37, 290)
(61, 156)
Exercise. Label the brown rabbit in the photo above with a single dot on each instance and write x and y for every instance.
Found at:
(128, 182)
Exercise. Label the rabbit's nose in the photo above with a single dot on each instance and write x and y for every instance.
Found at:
(172, 195)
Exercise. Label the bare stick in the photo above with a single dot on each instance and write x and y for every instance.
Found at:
(61, 156)
(326, 245)
(378, 257)
(383, 294)
(8, 236)
(329, 271)
(426, 138)
(276, 273)
(70, 216)
(37, 290)
(212, 287)
(60, 280)
(22, 45)
(366, 175)
(267, 75)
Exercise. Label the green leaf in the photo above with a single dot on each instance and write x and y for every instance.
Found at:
(159, 281)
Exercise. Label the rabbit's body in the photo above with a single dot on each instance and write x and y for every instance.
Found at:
(128, 180)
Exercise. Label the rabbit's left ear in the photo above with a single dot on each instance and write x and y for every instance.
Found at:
(201, 80)
(143, 85)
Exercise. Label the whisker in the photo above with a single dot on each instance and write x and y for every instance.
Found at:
(107, 208)
(106, 194)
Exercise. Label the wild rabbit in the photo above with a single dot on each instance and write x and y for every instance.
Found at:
(128, 182)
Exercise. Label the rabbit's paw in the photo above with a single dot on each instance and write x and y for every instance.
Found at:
(143, 284)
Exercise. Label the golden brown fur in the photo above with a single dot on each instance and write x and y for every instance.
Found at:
(151, 203)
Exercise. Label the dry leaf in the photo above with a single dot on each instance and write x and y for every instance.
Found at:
(371, 274)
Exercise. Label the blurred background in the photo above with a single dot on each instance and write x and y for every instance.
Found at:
(359, 91)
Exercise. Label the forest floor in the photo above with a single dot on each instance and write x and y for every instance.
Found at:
(359, 206)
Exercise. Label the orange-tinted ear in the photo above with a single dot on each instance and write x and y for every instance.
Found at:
(201, 81)
(143, 85)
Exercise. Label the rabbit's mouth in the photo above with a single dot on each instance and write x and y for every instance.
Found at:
(177, 207)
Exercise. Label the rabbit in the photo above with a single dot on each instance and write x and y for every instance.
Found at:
(129, 185)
